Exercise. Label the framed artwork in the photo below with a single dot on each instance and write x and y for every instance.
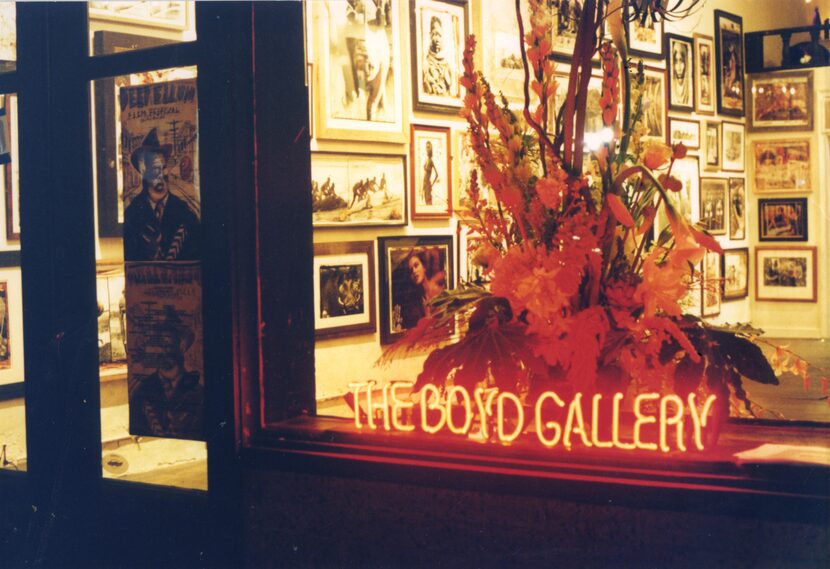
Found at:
(782, 165)
(680, 66)
(469, 271)
(112, 316)
(565, 15)
(464, 161)
(712, 149)
(350, 190)
(645, 39)
(711, 287)
(737, 208)
(787, 274)
(685, 131)
(781, 101)
(438, 31)
(344, 289)
(359, 69)
(733, 137)
(414, 270)
(782, 219)
(431, 187)
(735, 271)
(594, 125)
(692, 302)
(655, 112)
(11, 169)
(713, 192)
(729, 48)
(704, 74)
(687, 171)
(501, 54)
(11, 328)
(169, 15)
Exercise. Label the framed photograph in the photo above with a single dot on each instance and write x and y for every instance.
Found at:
(782, 219)
(565, 15)
(350, 190)
(733, 145)
(712, 149)
(711, 286)
(655, 111)
(431, 192)
(11, 331)
(685, 131)
(680, 66)
(687, 171)
(645, 39)
(112, 316)
(168, 15)
(11, 168)
(501, 52)
(713, 192)
(344, 289)
(781, 101)
(782, 165)
(787, 274)
(737, 209)
(704, 74)
(735, 270)
(359, 72)
(729, 47)
(438, 31)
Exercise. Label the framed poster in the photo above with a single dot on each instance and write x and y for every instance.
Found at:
(712, 149)
(782, 165)
(735, 272)
(711, 286)
(782, 219)
(729, 48)
(685, 131)
(737, 209)
(645, 38)
(733, 145)
(438, 31)
(11, 329)
(680, 66)
(431, 186)
(11, 168)
(713, 192)
(787, 274)
(781, 101)
(655, 112)
(344, 289)
(351, 190)
(704, 74)
(414, 270)
(359, 71)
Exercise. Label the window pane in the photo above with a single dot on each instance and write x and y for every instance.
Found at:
(115, 27)
(8, 37)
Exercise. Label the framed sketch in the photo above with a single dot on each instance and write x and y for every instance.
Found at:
(11, 329)
(711, 285)
(729, 48)
(645, 39)
(344, 289)
(438, 31)
(704, 74)
(782, 219)
(781, 101)
(733, 143)
(786, 274)
(782, 165)
(685, 131)
(687, 171)
(711, 149)
(431, 186)
(680, 66)
(735, 271)
(414, 270)
(11, 168)
(501, 52)
(350, 190)
(737, 209)
(713, 192)
(655, 112)
(359, 72)
(169, 15)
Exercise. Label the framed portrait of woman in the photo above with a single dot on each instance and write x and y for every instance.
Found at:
(704, 74)
(414, 271)
(729, 42)
(680, 66)
(431, 175)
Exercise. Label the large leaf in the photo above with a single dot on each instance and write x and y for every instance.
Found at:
(744, 356)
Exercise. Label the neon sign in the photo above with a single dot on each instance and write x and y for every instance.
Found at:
(502, 413)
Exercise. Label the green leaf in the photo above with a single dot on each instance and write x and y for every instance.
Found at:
(744, 356)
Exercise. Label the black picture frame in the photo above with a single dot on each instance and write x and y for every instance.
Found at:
(783, 219)
(339, 252)
(658, 53)
(735, 104)
(675, 95)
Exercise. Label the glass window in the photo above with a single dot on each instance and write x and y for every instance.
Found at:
(116, 27)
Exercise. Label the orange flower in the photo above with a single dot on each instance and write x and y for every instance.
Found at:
(670, 183)
(662, 287)
(552, 189)
(656, 154)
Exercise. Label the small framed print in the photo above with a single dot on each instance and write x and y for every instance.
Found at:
(344, 289)
(680, 67)
(786, 274)
(704, 74)
(469, 271)
(431, 193)
(713, 192)
(729, 48)
(11, 331)
(782, 219)
(438, 30)
(737, 209)
(782, 165)
(414, 270)
(735, 271)
(501, 51)
(781, 101)
(645, 38)
(711, 286)
(655, 111)
(733, 144)
(687, 171)
(10, 165)
(712, 149)
(685, 131)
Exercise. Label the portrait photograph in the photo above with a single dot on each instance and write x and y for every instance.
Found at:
(782, 165)
(431, 176)
(414, 270)
(685, 131)
(344, 289)
(737, 209)
(349, 190)
(781, 101)
(704, 74)
(645, 39)
(655, 113)
(729, 42)
(733, 137)
(735, 272)
(786, 273)
(783, 219)
(711, 149)
(438, 32)
(680, 64)
(713, 192)
(711, 285)
(501, 54)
